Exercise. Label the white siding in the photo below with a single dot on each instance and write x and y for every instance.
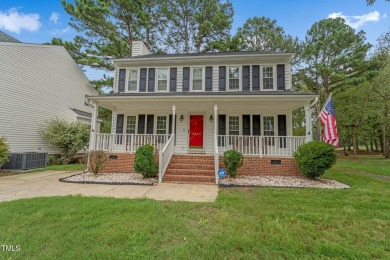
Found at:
(139, 48)
(37, 83)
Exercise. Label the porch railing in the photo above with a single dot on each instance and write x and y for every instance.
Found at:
(165, 157)
(260, 145)
(128, 142)
(216, 158)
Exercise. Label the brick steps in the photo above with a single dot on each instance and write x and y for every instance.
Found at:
(197, 169)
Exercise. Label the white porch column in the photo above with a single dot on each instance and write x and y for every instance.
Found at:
(173, 118)
(309, 134)
(93, 126)
(215, 119)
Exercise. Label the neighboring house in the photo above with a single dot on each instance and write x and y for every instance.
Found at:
(38, 83)
(196, 106)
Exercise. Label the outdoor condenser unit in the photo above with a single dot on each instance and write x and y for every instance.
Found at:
(25, 161)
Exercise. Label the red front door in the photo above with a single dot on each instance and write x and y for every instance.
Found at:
(196, 132)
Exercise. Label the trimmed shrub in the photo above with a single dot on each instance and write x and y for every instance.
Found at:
(71, 137)
(97, 160)
(232, 160)
(314, 158)
(3, 151)
(144, 161)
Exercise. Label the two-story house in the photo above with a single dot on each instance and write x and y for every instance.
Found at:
(193, 107)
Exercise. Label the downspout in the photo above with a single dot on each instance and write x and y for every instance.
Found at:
(93, 125)
(314, 102)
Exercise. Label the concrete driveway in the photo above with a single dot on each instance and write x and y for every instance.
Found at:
(43, 184)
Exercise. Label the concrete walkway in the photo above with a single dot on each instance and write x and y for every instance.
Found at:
(42, 184)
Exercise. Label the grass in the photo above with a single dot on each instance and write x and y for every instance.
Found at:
(265, 223)
(68, 167)
(371, 164)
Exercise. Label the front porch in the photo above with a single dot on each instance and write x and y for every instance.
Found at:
(258, 127)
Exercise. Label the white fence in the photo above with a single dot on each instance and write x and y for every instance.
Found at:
(260, 145)
(128, 142)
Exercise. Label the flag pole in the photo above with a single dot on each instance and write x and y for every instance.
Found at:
(315, 121)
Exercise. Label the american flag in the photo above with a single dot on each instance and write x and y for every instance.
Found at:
(328, 119)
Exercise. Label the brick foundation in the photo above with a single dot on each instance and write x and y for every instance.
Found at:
(253, 165)
(257, 166)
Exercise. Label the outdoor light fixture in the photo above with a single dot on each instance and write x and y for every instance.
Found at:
(181, 118)
(211, 118)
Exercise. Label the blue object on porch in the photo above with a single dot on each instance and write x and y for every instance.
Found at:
(221, 173)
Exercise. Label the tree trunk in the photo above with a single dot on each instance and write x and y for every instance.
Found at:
(376, 145)
(355, 143)
(367, 148)
(371, 145)
(147, 40)
(345, 149)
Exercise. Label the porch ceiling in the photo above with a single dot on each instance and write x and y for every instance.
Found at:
(226, 103)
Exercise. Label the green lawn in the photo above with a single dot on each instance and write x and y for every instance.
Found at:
(251, 223)
(372, 164)
(68, 167)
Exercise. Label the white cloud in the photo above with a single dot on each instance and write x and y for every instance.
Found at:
(54, 17)
(358, 20)
(66, 30)
(14, 21)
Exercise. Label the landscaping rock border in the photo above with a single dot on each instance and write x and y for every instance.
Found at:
(280, 182)
(111, 179)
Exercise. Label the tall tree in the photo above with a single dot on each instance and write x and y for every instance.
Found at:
(263, 34)
(334, 57)
(371, 2)
(193, 25)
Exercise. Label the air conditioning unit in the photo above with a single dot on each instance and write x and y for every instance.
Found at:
(26, 161)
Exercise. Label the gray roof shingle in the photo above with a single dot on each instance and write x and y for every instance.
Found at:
(6, 38)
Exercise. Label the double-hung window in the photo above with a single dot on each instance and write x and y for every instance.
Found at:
(131, 124)
(234, 125)
(161, 125)
(269, 125)
(132, 80)
(162, 79)
(197, 79)
(268, 77)
(234, 78)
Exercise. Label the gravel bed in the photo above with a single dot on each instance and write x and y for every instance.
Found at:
(111, 178)
(281, 181)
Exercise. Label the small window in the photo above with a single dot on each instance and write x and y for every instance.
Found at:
(161, 125)
(132, 83)
(197, 76)
(234, 78)
(268, 77)
(234, 125)
(162, 79)
(269, 125)
(131, 122)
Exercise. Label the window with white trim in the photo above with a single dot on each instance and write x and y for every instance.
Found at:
(268, 77)
(131, 124)
(161, 125)
(162, 79)
(197, 78)
(132, 80)
(234, 125)
(234, 78)
(269, 125)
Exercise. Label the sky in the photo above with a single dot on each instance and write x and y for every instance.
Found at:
(38, 21)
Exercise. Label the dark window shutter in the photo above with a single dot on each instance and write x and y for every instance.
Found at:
(141, 124)
(245, 78)
(149, 124)
(256, 129)
(173, 76)
(281, 77)
(282, 130)
(119, 128)
(221, 129)
(122, 80)
(186, 79)
(209, 78)
(222, 78)
(119, 123)
(246, 124)
(170, 125)
(151, 80)
(255, 77)
(142, 80)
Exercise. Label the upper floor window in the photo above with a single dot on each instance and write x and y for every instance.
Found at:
(131, 123)
(197, 76)
(268, 77)
(269, 125)
(234, 125)
(162, 79)
(132, 80)
(234, 78)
